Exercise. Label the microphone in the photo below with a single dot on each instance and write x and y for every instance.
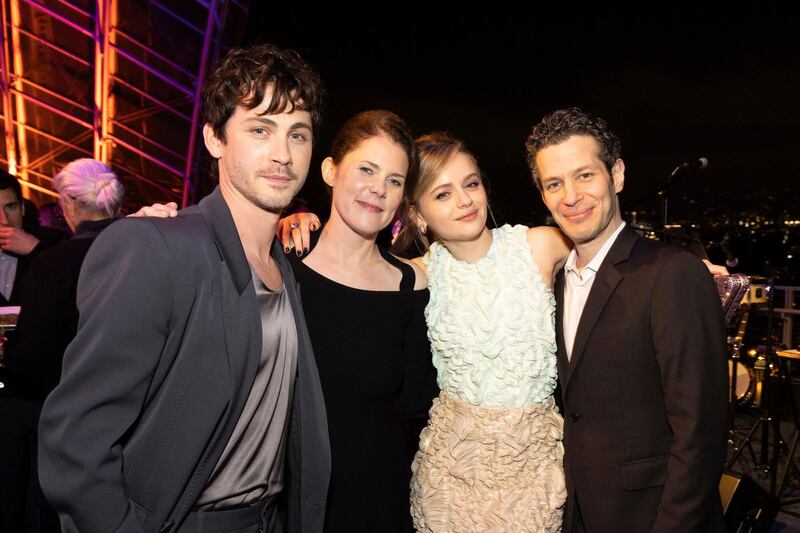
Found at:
(690, 166)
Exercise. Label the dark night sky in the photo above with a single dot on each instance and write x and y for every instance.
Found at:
(673, 86)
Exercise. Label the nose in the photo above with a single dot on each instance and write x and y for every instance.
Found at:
(281, 153)
(571, 193)
(378, 187)
(3, 218)
(463, 198)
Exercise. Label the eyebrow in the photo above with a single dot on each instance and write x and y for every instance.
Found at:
(450, 183)
(376, 165)
(573, 171)
(270, 122)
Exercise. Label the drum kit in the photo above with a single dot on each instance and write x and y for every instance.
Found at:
(757, 376)
(747, 370)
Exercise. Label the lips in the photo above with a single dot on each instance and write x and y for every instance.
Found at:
(281, 178)
(369, 207)
(469, 217)
(577, 216)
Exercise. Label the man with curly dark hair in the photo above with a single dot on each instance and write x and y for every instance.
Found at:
(640, 348)
(190, 399)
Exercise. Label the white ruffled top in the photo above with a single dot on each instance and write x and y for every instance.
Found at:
(492, 324)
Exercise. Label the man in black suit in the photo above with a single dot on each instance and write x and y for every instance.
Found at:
(641, 350)
(191, 382)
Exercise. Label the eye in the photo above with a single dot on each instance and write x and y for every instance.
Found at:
(473, 184)
(585, 176)
(397, 182)
(297, 136)
(259, 131)
(442, 195)
(367, 170)
(552, 186)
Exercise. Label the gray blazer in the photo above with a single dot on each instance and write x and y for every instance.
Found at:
(644, 394)
(165, 356)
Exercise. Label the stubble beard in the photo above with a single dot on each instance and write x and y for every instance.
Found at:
(270, 198)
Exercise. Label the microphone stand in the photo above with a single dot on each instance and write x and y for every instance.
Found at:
(675, 176)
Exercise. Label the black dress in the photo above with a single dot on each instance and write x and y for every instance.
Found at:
(375, 366)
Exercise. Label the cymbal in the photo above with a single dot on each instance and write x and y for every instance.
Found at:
(789, 354)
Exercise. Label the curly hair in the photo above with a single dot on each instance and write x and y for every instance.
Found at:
(560, 125)
(242, 77)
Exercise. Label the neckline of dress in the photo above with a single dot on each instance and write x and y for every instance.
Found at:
(495, 232)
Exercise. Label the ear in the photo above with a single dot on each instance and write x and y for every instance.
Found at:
(618, 175)
(213, 144)
(416, 217)
(329, 171)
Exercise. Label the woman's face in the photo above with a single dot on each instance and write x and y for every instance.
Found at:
(367, 184)
(455, 205)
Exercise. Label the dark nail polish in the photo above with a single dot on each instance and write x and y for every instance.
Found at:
(286, 249)
(305, 250)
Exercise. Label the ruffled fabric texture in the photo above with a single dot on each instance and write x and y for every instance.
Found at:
(487, 469)
(491, 324)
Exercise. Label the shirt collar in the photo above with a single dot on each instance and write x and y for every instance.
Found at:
(597, 260)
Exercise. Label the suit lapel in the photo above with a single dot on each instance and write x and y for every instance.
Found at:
(226, 237)
(606, 281)
(561, 353)
(241, 316)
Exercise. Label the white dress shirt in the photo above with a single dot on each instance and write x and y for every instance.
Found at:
(577, 285)
(8, 271)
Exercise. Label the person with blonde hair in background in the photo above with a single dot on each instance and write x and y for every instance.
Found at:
(90, 195)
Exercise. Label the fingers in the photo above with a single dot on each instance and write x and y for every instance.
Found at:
(305, 238)
(313, 222)
(300, 246)
(716, 270)
(285, 233)
(168, 210)
(304, 224)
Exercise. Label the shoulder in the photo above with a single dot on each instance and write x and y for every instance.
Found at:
(420, 262)
(45, 234)
(420, 275)
(670, 264)
(64, 252)
(546, 236)
(144, 231)
(549, 246)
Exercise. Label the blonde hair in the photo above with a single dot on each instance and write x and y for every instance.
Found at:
(434, 151)
(92, 185)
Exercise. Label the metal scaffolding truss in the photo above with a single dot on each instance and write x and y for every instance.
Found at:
(115, 80)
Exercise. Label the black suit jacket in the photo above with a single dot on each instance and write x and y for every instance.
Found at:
(644, 394)
(165, 356)
(48, 319)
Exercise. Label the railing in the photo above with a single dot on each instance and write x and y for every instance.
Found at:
(786, 307)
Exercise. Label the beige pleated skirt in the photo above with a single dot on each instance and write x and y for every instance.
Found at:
(482, 469)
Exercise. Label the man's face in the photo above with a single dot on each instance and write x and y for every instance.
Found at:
(578, 190)
(265, 158)
(10, 209)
